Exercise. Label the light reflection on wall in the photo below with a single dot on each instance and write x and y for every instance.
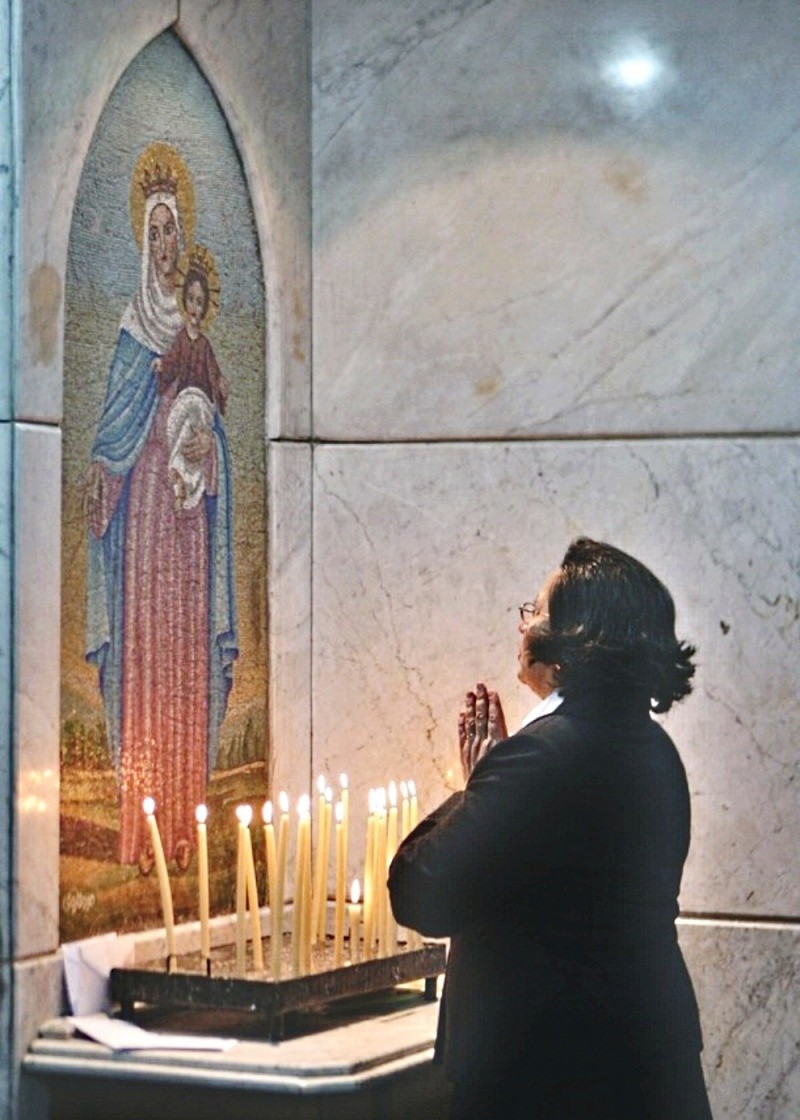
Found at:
(637, 68)
(36, 790)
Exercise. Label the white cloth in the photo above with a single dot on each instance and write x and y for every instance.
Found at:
(87, 969)
(543, 708)
(191, 412)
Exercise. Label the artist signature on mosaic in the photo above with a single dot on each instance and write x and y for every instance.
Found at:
(78, 902)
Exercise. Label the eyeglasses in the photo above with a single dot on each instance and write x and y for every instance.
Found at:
(527, 612)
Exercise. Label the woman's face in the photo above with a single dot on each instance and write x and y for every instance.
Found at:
(162, 233)
(535, 674)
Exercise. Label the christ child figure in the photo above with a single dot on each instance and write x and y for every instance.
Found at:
(190, 370)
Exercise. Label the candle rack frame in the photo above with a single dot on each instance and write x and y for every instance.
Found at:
(270, 1000)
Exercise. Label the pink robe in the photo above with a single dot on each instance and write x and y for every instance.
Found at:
(163, 749)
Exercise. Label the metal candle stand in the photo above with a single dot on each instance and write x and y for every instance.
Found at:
(271, 999)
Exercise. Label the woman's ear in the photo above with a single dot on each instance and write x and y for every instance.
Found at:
(551, 675)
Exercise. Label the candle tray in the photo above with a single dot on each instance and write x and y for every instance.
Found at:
(268, 999)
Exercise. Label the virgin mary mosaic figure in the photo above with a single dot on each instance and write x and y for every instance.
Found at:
(161, 613)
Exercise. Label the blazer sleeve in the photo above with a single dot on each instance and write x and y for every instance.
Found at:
(453, 869)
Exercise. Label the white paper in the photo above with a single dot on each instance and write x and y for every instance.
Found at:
(87, 969)
(117, 1034)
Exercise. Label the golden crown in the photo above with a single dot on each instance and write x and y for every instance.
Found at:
(201, 260)
(160, 167)
(159, 180)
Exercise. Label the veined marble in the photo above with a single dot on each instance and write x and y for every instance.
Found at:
(554, 218)
(255, 56)
(38, 983)
(422, 553)
(289, 481)
(746, 979)
(37, 537)
(6, 699)
(7, 215)
(560, 219)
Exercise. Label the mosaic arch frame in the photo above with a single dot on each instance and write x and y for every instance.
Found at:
(164, 632)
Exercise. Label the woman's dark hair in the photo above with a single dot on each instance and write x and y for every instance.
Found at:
(611, 627)
(192, 275)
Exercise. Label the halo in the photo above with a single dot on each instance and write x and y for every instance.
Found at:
(200, 259)
(160, 161)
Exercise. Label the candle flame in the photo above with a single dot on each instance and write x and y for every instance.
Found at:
(321, 784)
(304, 805)
(355, 892)
(381, 796)
(149, 806)
(266, 812)
(404, 790)
(244, 814)
(343, 781)
(329, 795)
(201, 814)
(339, 810)
(393, 795)
(371, 801)
(283, 801)
(412, 789)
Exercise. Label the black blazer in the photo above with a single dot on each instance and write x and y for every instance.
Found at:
(556, 874)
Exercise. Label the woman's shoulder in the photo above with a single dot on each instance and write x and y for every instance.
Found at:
(539, 745)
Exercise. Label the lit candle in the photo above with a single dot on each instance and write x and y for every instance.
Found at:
(369, 875)
(241, 890)
(381, 894)
(345, 799)
(317, 838)
(404, 811)
(319, 896)
(201, 814)
(327, 821)
(149, 807)
(316, 888)
(276, 933)
(302, 887)
(341, 860)
(413, 811)
(414, 939)
(280, 889)
(252, 896)
(390, 925)
(354, 913)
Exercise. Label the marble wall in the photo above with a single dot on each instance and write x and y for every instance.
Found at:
(555, 293)
(65, 57)
(7, 100)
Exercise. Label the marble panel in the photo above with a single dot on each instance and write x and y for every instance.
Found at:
(37, 666)
(37, 994)
(7, 210)
(422, 553)
(289, 482)
(746, 980)
(255, 55)
(554, 218)
(6, 1018)
(6, 663)
(73, 53)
